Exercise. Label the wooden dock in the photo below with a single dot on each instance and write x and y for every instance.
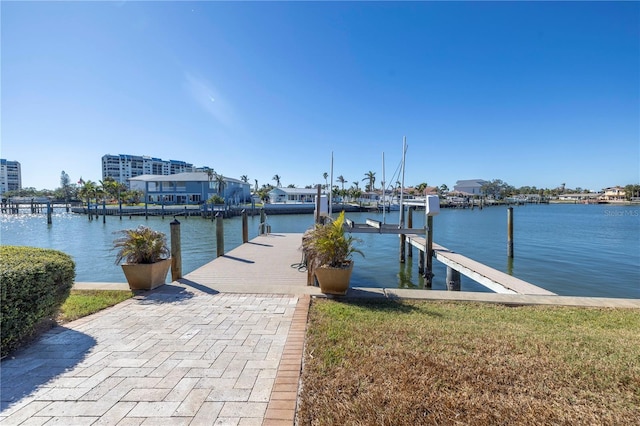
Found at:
(491, 278)
(266, 264)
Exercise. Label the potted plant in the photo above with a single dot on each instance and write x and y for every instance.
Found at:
(146, 257)
(328, 250)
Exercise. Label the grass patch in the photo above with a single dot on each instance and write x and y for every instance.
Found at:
(81, 303)
(417, 362)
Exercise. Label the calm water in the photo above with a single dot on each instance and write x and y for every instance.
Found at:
(585, 250)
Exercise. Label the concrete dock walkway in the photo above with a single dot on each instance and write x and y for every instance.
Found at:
(223, 345)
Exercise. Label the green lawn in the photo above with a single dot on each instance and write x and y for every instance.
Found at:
(410, 363)
(81, 303)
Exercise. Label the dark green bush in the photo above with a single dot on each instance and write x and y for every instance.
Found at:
(34, 284)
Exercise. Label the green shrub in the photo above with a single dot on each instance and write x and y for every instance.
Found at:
(34, 284)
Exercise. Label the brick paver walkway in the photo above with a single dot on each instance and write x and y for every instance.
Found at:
(177, 356)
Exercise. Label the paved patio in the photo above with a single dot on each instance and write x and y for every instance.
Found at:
(174, 356)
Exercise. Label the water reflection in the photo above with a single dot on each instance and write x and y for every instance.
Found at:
(560, 247)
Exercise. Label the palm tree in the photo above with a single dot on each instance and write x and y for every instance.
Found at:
(220, 182)
(244, 178)
(342, 180)
(112, 187)
(356, 184)
(444, 188)
(88, 191)
(325, 175)
(371, 177)
(277, 179)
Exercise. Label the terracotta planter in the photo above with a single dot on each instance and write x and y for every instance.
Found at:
(334, 280)
(146, 276)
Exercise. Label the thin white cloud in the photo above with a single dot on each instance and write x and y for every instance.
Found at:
(209, 99)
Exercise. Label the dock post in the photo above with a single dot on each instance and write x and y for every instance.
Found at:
(403, 237)
(409, 225)
(245, 227)
(428, 273)
(263, 218)
(510, 232)
(104, 211)
(176, 250)
(49, 222)
(318, 203)
(219, 235)
(453, 279)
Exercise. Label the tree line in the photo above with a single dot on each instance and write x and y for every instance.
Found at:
(110, 189)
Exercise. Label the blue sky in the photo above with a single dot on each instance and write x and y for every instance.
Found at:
(538, 93)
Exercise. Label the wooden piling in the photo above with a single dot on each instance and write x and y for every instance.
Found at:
(510, 232)
(409, 225)
(318, 203)
(403, 237)
(453, 279)
(245, 227)
(176, 251)
(104, 211)
(428, 273)
(219, 235)
(263, 218)
(49, 221)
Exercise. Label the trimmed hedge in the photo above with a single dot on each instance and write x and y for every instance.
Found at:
(34, 284)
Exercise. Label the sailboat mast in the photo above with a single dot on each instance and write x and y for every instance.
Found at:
(384, 191)
(331, 188)
(404, 154)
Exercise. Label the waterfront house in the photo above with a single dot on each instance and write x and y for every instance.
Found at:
(189, 188)
(578, 197)
(292, 195)
(470, 186)
(614, 193)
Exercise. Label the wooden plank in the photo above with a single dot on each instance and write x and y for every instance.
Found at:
(491, 278)
(266, 262)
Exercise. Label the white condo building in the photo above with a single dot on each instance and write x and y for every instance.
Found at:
(123, 167)
(10, 176)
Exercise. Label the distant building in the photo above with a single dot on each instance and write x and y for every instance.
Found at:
(614, 193)
(189, 188)
(292, 195)
(123, 167)
(10, 176)
(469, 187)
